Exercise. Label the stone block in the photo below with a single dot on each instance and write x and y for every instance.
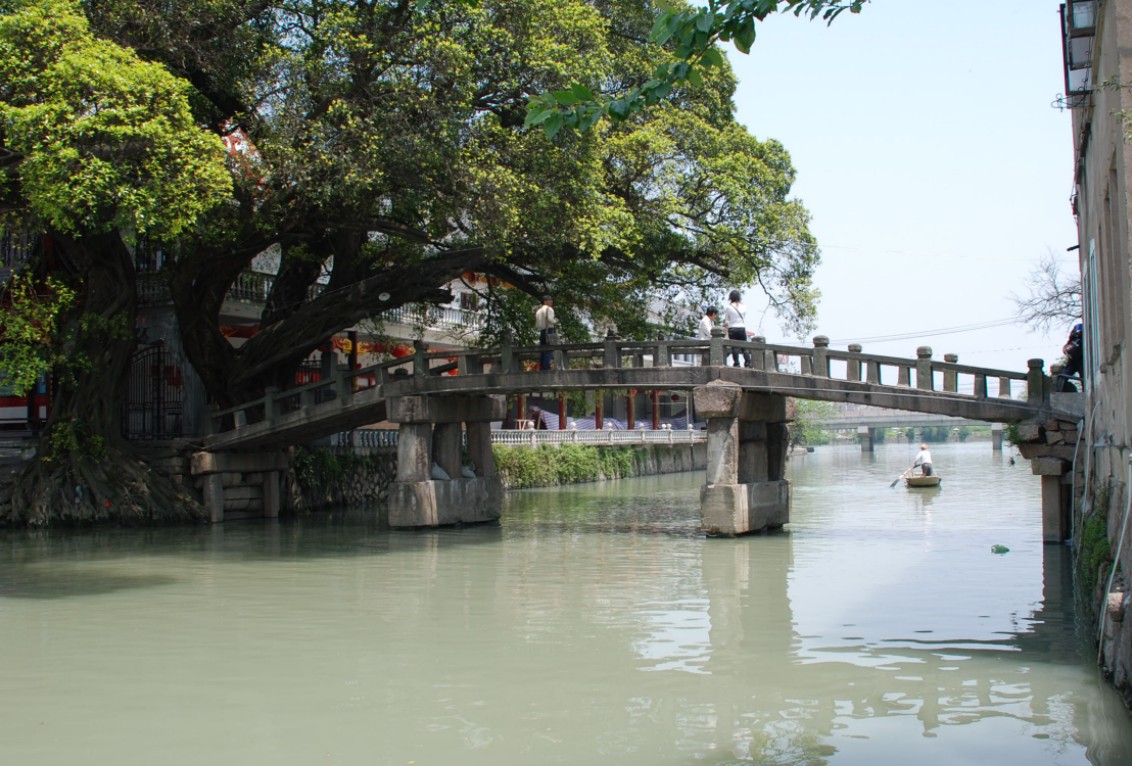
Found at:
(1048, 466)
(724, 510)
(769, 505)
(718, 399)
(203, 463)
(412, 504)
(768, 408)
(1029, 432)
(446, 409)
(468, 501)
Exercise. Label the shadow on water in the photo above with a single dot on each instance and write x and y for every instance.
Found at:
(59, 563)
(32, 582)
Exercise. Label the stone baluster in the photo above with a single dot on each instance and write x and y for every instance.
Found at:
(611, 355)
(980, 391)
(1004, 388)
(716, 351)
(924, 368)
(872, 370)
(950, 376)
(853, 364)
(821, 367)
(420, 359)
(507, 361)
(662, 356)
(758, 353)
(343, 389)
(904, 375)
(1037, 392)
(270, 404)
(470, 364)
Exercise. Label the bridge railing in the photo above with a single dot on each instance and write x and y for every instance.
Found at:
(852, 365)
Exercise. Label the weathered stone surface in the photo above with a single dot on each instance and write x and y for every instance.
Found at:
(412, 504)
(768, 408)
(718, 399)
(237, 462)
(1029, 432)
(722, 451)
(1048, 466)
(769, 505)
(468, 501)
(414, 452)
(724, 510)
(440, 503)
(446, 409)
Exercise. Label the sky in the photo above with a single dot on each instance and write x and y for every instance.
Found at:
(934, 163)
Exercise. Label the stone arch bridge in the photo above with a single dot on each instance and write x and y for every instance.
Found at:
(436, 398)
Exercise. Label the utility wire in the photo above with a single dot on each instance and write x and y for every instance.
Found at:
(927, 333)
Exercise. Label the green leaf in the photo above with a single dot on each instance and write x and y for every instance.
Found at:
(712, 57)
(745, 36)
(581, 92)
(695, 78)
(620, 109)
(565, 97)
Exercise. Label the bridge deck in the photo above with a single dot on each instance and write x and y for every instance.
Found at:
(351, 399)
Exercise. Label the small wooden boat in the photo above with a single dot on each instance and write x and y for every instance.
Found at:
(919, 480)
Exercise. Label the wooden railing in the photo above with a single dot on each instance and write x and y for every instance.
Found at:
(852, 366)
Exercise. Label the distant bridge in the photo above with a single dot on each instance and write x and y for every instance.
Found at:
(893, 419)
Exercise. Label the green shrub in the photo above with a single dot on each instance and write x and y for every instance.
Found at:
(544, 466)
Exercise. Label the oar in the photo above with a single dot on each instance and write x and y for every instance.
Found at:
(898, 478)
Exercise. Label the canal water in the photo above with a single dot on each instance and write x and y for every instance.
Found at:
(593, 625)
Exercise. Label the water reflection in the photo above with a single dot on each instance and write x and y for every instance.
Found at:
(593, 625)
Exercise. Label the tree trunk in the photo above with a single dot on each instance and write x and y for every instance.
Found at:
(85, 470)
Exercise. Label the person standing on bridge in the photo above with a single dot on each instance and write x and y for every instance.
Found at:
(707, 323)
(923, 460)
(735, 320)
(547, 325)
(1074, 350)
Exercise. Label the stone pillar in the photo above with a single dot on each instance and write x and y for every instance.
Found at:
(951, 377)
(272, 494)
(820, 365)
(446, 449)
(743, 490)
(853, 365)
(414, 451)
(996, 432)
(1037, 392)
(1056, 499)
(418, 500)
(924, 368)
(479, 449)
(865, 436)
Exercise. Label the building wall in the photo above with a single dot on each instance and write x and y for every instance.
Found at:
(1103, 156)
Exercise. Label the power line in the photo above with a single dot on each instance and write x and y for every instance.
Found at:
(927, 333)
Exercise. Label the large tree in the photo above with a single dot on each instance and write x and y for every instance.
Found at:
(98, 147)
(383, 143)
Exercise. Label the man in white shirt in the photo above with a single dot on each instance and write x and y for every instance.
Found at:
(547, 325)
(707, 322)
(924, 460)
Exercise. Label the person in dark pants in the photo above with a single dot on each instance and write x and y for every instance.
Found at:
(735, 320)
(924, 460)
(547, 325)
(1074, 350)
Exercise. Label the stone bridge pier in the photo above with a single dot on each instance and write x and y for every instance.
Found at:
(745, 489)
(435, 486)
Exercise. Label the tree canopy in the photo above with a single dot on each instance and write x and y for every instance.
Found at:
(382, 148)
(387, 140)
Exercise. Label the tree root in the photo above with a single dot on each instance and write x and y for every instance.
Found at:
(119, 489)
